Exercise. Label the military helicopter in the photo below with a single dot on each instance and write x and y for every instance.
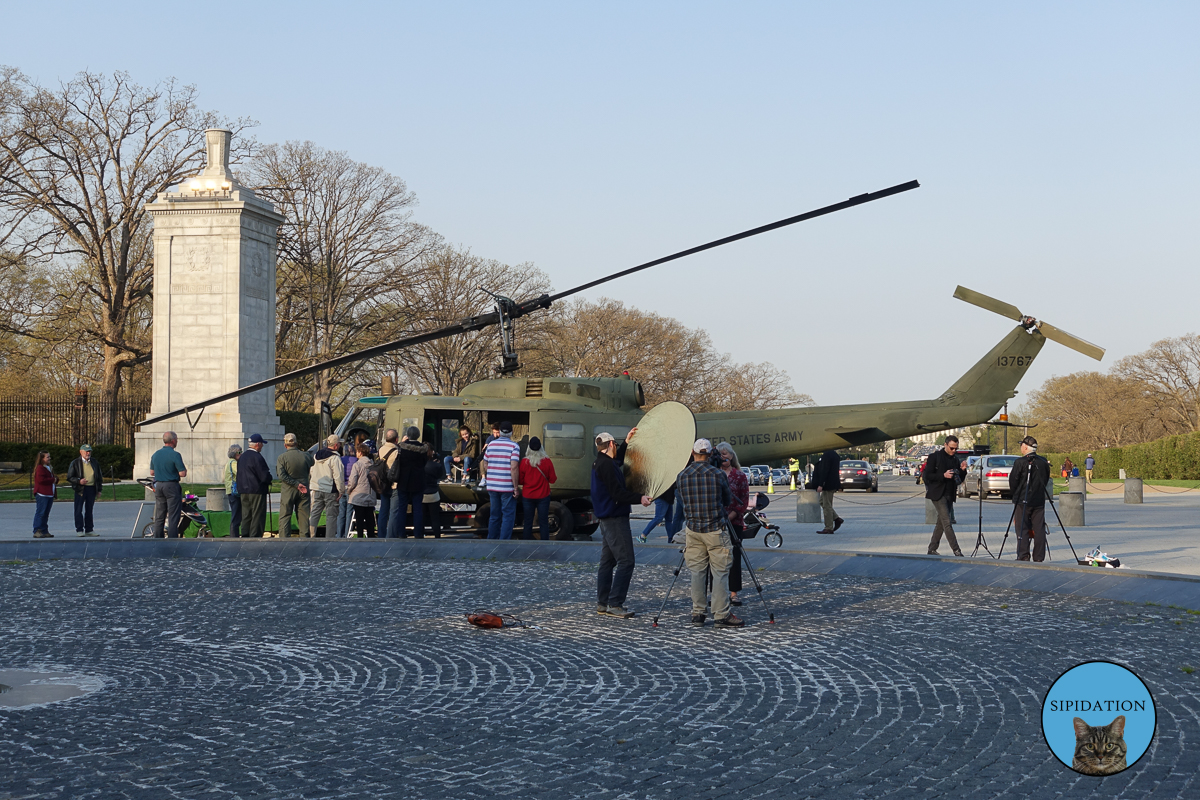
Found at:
(567, 413)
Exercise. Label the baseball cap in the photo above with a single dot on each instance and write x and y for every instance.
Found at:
(289, 438)
(1030, 441)
(604, 438)
(506, 427)
(256, 438)
(702, 446)
(86, 448)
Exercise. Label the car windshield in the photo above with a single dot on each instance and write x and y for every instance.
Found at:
(1001, 461)
(854, 465)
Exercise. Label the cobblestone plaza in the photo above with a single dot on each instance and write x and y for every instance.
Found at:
(346, 678)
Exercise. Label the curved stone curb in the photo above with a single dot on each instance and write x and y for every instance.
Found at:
(1126, 585)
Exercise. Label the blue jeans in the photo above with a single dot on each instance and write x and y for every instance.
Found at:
(467, 463)
(662, 511)
(680, 519)
(386, 501)
(502, 516)
(235, 515)
(399, 520)
(343, 519)
(41, 514)
(616, 562)
(543, 514)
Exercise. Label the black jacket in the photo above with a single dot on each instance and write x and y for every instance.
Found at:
(434, 472)
(937, 485)
(253, 477)
(75, 473)
(610, 496)
(1020, 475)
(408, 468)
(827, 475)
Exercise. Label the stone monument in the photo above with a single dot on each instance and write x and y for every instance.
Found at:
(214, 317)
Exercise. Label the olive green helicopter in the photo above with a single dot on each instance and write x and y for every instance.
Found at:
(567, 413)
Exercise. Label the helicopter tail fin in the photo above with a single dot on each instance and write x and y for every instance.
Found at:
(993, 380)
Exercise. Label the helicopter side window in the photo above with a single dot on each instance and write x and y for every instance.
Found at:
(587, 390)
(559, 387)
(563, 439)
(619, 432)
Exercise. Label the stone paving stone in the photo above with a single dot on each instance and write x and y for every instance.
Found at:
(275, 676)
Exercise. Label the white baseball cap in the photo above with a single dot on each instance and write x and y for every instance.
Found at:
(702, 446)
(604, 437)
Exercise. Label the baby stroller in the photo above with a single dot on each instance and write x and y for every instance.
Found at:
(189, 512)
(756, 521)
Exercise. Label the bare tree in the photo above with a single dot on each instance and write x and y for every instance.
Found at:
(672, 361)
(347, 255)
(1092, 410)
(447, 290)
(1170, 371)
(78, 164)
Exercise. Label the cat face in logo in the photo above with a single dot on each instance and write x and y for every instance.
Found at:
(1099, 750)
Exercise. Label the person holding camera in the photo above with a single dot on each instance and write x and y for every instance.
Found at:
(941, 475)
(827, 479)
(706, 500)
(1027, 482)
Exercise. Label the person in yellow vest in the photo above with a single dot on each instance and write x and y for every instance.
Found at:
(794, 468)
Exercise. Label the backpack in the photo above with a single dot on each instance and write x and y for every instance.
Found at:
(377, 476)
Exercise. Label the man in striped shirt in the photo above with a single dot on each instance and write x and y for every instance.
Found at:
(501, 459)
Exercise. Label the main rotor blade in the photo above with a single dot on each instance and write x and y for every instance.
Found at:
(521, 309)
(1070, 340)
(820, 212)
(990, 303)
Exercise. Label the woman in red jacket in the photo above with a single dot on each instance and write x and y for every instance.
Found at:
(45, 489)
(536, 472)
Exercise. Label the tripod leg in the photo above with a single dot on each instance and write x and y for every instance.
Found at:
(678, 569)
(1007, 528)
(1064, 529)
(757, 586)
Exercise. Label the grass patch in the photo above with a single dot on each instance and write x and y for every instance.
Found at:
(1187, 669)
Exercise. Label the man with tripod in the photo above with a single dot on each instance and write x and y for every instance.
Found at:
(705, 494)
(1027, 482)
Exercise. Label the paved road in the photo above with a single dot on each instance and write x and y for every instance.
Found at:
(1162, 535)
(324, 679)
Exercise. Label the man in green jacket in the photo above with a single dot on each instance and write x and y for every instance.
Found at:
(293, 468)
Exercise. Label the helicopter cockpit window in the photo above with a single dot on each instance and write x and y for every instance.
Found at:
(559, 387)
(587, 390)
(619, 432)
(563, 439)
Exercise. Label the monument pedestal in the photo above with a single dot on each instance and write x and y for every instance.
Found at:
(214, 317)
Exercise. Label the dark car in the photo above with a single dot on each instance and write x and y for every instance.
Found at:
(858, 475)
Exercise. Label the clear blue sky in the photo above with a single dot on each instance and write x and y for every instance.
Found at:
(1056, 145)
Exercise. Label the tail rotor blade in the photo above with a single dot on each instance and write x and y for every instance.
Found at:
(990, 303)
(1070, 340)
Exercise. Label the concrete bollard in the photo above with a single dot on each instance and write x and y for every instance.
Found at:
(215, 500)
(1133, 491)
(808, 506)
(930, 512)
(1077, 485)
(1070, 509)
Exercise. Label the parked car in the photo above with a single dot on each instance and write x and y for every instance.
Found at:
(749, 475)
(994, 471)
(780, 477)
(760, 471)
(858, 475)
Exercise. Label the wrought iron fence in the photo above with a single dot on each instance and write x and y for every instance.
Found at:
(67, 419)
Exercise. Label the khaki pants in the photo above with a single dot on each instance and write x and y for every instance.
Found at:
(704, 552)
(1088, 472)
(291, 501)
(827, 508)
